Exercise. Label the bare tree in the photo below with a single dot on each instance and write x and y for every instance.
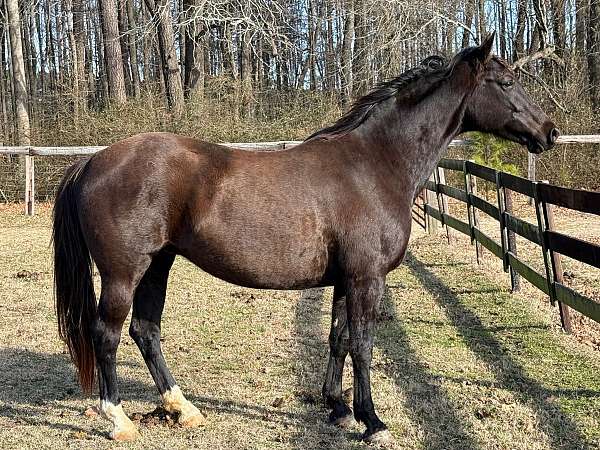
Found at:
(20, 96)
(194, 69)
(161, 12)
(593, 52)
(112, 51)
(18, 72)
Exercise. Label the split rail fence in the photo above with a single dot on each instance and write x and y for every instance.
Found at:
(31, 173)
(552, 244)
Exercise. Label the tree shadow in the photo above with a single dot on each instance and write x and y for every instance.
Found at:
(30, 377)
(560, 428)
(426, 401)
(569, 393)
(311, 362)
(31, 381)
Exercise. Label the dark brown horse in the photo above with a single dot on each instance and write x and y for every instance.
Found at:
(333, 211)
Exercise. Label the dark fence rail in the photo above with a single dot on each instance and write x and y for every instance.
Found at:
(552, 243)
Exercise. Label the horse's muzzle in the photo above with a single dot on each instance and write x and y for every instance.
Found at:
(553, 137)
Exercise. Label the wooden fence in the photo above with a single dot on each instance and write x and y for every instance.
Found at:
(30, 153)
(552, 244)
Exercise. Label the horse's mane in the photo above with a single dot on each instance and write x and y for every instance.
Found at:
(362, 108)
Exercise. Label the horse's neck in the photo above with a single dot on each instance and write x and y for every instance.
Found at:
(413, 138)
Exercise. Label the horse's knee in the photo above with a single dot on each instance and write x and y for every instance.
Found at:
(105, 338)
(146, 335)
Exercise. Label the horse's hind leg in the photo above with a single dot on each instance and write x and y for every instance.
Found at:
(339, 344)
(148, 306)
(114, 305)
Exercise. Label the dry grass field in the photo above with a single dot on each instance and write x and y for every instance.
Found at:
(459, 361)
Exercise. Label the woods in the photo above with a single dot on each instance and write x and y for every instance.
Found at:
(97, 70)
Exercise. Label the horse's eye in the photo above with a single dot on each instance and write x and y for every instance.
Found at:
(507, 83)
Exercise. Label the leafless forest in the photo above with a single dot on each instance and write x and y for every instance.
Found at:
(85, 72)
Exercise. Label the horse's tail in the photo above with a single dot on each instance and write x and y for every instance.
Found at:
(73, 283)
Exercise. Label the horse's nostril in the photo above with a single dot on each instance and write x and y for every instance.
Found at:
(553, 136)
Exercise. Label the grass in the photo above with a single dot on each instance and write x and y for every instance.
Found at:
(459, 361)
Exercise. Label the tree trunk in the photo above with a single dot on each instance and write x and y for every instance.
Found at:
(347, 54)
(20, 97)
(246, 75)
(112, 51)
(313, 25)
(18, 73)
(79, 81)
(360, 62)
(329, 83)
(481, 23)
(170, 65)
(519, 43)
(6, 123)
(593, 53)
(581, 10)
(133, 56)
(502, 28)
(558, 28)
(42, 55)
(194, 69)
(466, 37)
(124, 42)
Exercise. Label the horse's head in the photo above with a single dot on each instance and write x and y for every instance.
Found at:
(499, 104)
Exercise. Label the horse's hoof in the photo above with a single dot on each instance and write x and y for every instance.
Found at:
(381, 438)
(344, 422)
(125, 435)
(192, 421)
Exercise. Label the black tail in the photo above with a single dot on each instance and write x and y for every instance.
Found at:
(73, 283)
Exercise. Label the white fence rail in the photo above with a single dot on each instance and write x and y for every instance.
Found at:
(30, 152)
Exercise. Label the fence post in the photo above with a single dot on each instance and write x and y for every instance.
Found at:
(501, 209)
(542, 226)
(531, 159)
(29, 185)
(471, 188)
(430, 197)
(557, 270)
(478, 249)
(515, 280)
(442, 200)
(469, 205)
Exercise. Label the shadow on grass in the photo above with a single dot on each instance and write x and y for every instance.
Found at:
(568, 393)
(560, 428)
(441, 323)
(30, 382)
(32, 378)
(312, 352)
(426, 401)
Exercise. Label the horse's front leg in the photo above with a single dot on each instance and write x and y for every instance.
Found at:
(363, 296)
(339, 344)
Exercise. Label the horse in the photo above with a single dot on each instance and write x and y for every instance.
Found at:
(333, 211)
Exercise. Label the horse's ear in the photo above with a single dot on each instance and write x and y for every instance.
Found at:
(479, 56)
(486, 47)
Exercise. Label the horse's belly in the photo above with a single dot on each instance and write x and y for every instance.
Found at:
(262, 259)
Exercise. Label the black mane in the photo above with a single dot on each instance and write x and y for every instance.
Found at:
(361, 109)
